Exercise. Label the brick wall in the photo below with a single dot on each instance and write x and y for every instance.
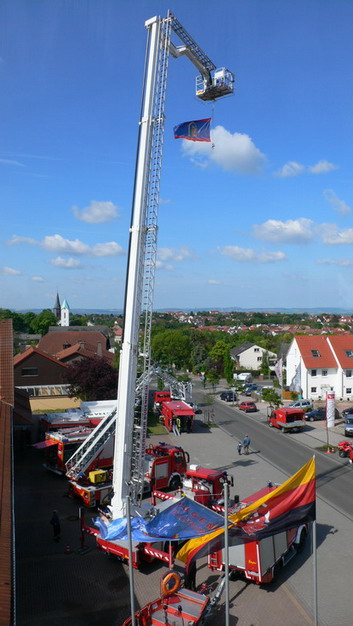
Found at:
(6, 362)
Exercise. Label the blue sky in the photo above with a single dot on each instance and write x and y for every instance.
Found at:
(264, 219)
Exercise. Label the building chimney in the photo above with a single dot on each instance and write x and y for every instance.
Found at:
(99, 348)
(82, 344)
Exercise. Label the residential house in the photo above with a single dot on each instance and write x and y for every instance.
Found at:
(84, 350)
(318, 364)
(39, 373)
(249, 356)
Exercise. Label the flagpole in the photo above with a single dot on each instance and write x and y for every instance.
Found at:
(314, 546)
(131, 569)
(226, 552)
(315, 620)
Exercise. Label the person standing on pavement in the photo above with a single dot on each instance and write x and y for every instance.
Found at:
(246, 444)
(55, 522)
(239, 447)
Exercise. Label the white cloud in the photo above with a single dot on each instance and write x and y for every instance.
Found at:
(214, 282)
(9, 271)
(292, 168)
(322, 167)
(16, 239)
(174, 254)
(339, 262)
(96, 212)
(336, 203)
(249, 255)
(110, 248)
(69, 264)
(38, 279)
(332, 236)
(291, 231)
(60, 245)
(233, 152)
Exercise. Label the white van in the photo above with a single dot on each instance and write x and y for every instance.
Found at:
(244, 377)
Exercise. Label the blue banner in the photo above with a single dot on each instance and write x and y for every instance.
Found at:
(197, 130)
(185, 519)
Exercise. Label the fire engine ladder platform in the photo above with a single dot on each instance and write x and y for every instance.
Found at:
(192, 606)
(91, 447)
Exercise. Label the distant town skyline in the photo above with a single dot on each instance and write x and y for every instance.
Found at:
(261, 220)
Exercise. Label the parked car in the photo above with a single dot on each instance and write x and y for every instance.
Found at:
(348, 411)
(228, 396)
(249, 388)
(316, 414)
(348, 426)
(248, 407)
(301, 404)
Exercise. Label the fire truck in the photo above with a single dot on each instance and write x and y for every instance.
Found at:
(61, 444)
(174, 412)
(165, 465)
(260, 561)
(201, 484)
(287, 419)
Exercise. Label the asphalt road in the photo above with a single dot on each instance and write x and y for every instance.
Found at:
(287, 452)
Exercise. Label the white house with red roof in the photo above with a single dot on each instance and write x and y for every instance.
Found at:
(317, 364)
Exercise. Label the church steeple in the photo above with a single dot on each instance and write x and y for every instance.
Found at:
(65, 314)
(57, 307)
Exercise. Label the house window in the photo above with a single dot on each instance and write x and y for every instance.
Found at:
(349, 353)
(256, 349)
(313, 390)
(313, 372)
(29, 371)
(315, 353)
(348, 390)
(324, 372)
(349, 373)
(259, 358)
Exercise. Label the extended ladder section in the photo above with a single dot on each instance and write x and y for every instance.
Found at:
(150, 251)
(91, 447)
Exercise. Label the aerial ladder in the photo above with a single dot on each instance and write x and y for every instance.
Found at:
(131, 417)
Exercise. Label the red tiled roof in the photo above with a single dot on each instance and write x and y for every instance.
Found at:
(86, 350)
(307, 343)
(54, 342)
(19, 358)
(340, 344)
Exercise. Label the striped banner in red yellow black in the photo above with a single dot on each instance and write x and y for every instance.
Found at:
(280, 509)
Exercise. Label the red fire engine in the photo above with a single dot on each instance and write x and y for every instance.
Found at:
(175, 412)
(165, 465)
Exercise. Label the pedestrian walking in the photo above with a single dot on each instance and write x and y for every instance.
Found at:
(188, 424)
(246, 444)
(239, 447)
(55, 522)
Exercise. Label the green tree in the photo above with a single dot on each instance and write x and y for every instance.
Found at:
(40, 324)
(228, 367)
(264, 367)
(217, 356)
(92, 379)
(269, 395)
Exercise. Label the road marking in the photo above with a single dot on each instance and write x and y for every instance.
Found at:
(300, 608)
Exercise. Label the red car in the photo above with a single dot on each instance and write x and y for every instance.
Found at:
(248, 407)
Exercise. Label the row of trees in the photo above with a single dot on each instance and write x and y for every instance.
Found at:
(206, 351)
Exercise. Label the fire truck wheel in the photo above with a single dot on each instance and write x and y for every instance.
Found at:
(342, 453)
(175, 483)
(276, 570)
(283, 429)
(270, 424)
